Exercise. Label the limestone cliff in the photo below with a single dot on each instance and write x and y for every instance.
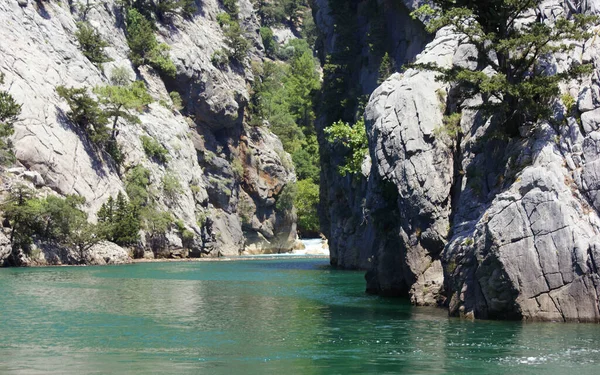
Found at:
(489, 226)
(215, 157)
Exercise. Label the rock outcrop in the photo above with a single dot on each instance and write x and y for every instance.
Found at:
(409, 196)
(343, 201)
(488, 226)
(214, 156)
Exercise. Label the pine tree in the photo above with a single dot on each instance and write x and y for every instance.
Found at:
(9, 112)
(91, 43)
(85, 112)
(385, 68)
(119, 101)
(520, 91)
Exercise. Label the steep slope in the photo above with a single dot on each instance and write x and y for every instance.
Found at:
(487, 225)
(214, 157)
(355, 35)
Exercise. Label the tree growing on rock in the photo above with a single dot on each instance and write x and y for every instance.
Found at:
(145, 48)
(119, 101)
(91, 43)
(9, 112)
(516, 44)
(86, 113)
(354, 139)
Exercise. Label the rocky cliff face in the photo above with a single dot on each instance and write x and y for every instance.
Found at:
(490, 226)
(217, 160)
(367, 28)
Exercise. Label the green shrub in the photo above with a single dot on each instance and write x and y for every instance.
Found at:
(176, 99)
(154, 150)
(231, 8)
(569, 102)
(238, 169)
(86, 113)
(522, 91)
(136, 186)
(52, 218)
(236, 41)
(91, 43)
(120, 76)
(219, 58)
(306, 202)
(119, 102)
(144, 46)
(286, 198)
(268, 41)
(245, 209)
(9, 112)
(385, 69)
(234, 37)
(353, 138)
(171, 187)
(119, 221)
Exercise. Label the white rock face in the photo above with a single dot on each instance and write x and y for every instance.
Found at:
(402, 119)
(510, 228)
(39, 52)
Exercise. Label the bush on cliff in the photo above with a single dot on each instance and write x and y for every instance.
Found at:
(9, 112)
(354, 139)
(145, 48)
(517, 48)
(91, 43)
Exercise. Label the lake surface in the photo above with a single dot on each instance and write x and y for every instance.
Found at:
(283, 316)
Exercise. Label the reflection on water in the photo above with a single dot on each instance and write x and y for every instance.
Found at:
(254, 317)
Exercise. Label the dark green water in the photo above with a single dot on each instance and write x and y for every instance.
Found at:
(286, 316)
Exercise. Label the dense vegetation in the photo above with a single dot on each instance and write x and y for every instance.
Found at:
(51, 218)
(283, 95)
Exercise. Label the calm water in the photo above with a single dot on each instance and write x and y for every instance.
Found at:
(285, 316)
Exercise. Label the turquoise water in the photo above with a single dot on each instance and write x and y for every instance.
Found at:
(285, 316)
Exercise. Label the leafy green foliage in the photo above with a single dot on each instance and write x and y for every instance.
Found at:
(569, 102)
(450, 127)
(120, 221)
(91, 43)
(144, 46)
(119, 101)
(120, 76)
(219, 58)
(245, 209)
(353, 138)
(50, 219)
(23, 210)
(154, 150)
(171, 186)
(282, 94)
(162, 9)
(9, 112)
(136, 186)
(234, 37)
(231, 8)
(306, 202)
(86, 113)
(114, 102)
(272, 12)
(385, 69)
(176, 99)
(268, 40)
(306, 160)
(521, 91)
(286, 198)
